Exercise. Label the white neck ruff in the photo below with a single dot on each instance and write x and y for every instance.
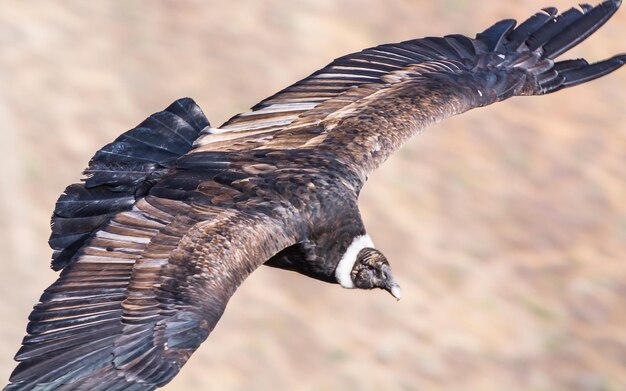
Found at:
(344, 268)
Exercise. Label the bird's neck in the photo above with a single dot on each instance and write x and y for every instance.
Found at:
(343, 272)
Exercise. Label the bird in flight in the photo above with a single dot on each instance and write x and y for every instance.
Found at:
(174, 214)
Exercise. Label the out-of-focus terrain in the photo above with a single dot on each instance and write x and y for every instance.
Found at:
(506, 226)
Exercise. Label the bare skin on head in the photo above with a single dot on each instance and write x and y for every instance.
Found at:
(371, 270)
(364, 267)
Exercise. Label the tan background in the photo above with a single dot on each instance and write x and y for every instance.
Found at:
(506, 227)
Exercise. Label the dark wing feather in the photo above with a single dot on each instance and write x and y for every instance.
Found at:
(378, 98)
(120, 172)
(522, 33)
(585, 72)
(555, 27)
(495, 36)
(363, 106)
(73, 328)
(141, 295)
(579, 28)
(139, 237)
(145, 272)
(344, 81)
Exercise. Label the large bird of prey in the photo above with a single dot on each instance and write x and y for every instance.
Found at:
(174, 214)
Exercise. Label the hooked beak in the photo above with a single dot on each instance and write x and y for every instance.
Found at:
(391, 285)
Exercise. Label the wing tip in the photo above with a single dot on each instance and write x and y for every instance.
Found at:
(583, 73)
(120, 172)
(550, 34)
(578, 30)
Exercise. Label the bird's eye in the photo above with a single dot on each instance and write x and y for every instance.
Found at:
(368, 273)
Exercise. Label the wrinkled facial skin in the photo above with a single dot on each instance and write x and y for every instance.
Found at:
(367, 272)
(371, 270)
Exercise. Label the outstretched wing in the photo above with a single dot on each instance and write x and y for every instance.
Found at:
(151, 252)
(141, 296)
(120, 173)
(363, 106)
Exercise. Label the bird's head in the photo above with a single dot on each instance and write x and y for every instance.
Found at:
(364, 267)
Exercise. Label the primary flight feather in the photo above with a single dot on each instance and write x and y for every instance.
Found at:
(174, 214)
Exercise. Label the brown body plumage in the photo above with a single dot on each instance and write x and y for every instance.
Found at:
(175, 214)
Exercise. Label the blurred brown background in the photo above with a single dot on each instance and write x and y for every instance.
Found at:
(506, 226)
